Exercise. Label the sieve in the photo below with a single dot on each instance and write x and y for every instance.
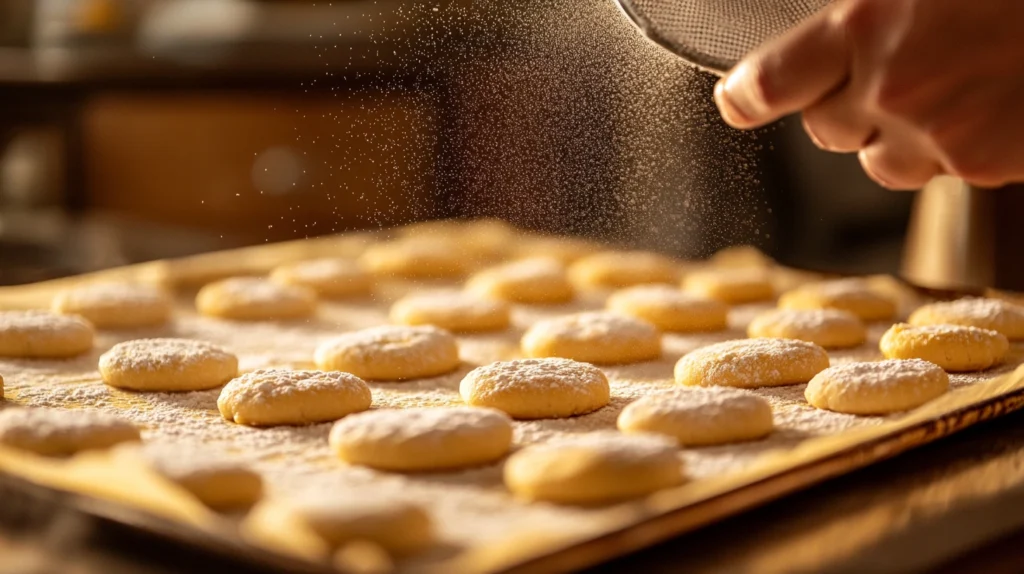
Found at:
(715, 34)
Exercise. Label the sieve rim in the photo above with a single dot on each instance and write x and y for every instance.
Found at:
(706, 62)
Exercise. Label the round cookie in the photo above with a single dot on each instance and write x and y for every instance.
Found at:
(456, 311)
(537, 388)
(420, 258)
(269, 397)
(391, 353)
(565, 249)
(594, 468)
(167, 365)
(423, 439)
(955, 348)
(853, 295)
(743, 285)
(751, 363)
(115, 305)
(43, 335)
(329, 278)
(830, 328)
(53, 432)
(595, 337)
(877, 388)
(618, 269)
(536, 280)
(214, 478)
(700, 416)
(992, 314)
(740, 256)
(670, 309)
(399, 527)
(255, 299)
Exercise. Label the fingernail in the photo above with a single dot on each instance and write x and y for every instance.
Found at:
(740, 92)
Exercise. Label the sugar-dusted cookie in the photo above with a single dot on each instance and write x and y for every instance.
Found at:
(419, 439)
(955, 348)
(853, 295)
(877, 388)
(255, 299)
(53, 432)
(115, 305)
(737, 285)
(269, 397)
(417, 258)
(565, 249)
(830, 328)
(993, 314)
(329, 278)
(617, 269)
(751, 363)
(534, 280)
(537, 388)
(43, 335)
(594, 468)
(740, 256)
(699, 416)
(167, 365)
(670, 309)
(602, 338)
(390, 353)
(456, 311)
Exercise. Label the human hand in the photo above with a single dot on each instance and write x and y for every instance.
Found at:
(916, 87)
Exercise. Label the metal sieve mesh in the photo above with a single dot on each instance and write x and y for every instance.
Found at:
(715, 34)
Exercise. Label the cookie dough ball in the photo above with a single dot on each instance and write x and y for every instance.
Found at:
(745, 285)
(391, 353)
(741, 256)
(42, 335)
(255, 299)
(618, 269)
(564, 249)
(537, 280)
(214, 478)
(670, 309)
(423, 439)
(52, 432)
(420, 258)
(830, 328)
(115, 305)
(537, 388)
(751, 363)
(955, 348)
(167, 365)
(456, 311)
(269, 397)
(877, 388)
(853, 295)
(595, 337)
(594, 468)
(483, 239)
(329, 278)
(700, 416)
(992, 314)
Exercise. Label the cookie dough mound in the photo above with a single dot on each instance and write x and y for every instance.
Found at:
(115, 305)
(456, 311)
(420, 258)
(336, 520)
(537, 280)
(618, 269)
(992, 314)
(214, 478)
(42, 335)
(751, 363)
(877, 388)
(853, 295)
(595, 337)
(700, 416)
(270, 397)
(423, 439)
(955, 348)
(670, 309)
(594, 468)
(255, 299)
(830, 328)
(167, 365)
(391, 353)
(741, 256)
(329, 278)
(53, 432)
(565, 249)
(537, 388)
(744, 285)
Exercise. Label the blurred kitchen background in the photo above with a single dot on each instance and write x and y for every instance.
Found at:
(139, 129)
